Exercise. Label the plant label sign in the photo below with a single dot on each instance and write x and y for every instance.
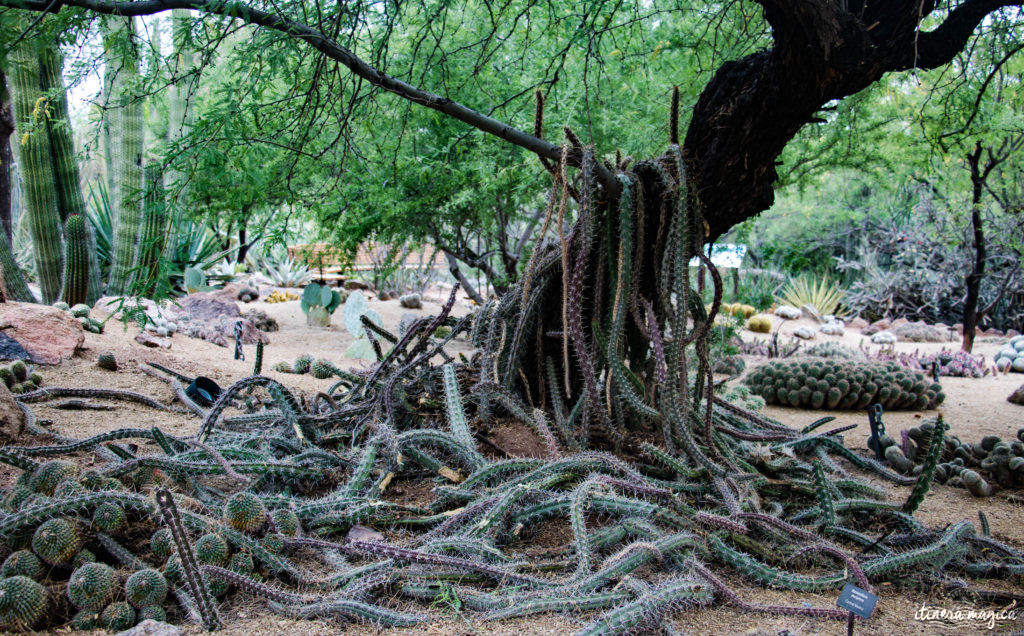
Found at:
(860, 602)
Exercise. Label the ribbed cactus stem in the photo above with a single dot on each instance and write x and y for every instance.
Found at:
(152, 229)
(76, 261)
(33, 151)
(122, 59)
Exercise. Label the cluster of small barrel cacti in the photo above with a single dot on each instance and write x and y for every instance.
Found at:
(80, 312)
(956, 364)
(834, 384)
(19, 377)
(974, 466)
(319, 368)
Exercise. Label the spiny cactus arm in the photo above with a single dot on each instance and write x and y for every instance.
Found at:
(924, 479)
(49, 392)
(951, 544)
(823, 491)
(13, 457)
(119, 552)
(456, 412)
(196, 582)
(727, 593)
(80, 502)
(414, 556)
(255, 587)
(353, 610)
(678, 593)
(568, 603)
(773, 577)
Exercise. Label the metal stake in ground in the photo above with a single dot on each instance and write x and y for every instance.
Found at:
(239, 355)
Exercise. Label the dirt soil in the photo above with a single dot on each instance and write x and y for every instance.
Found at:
(973, 407)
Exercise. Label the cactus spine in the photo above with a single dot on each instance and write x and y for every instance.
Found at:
(76, 261)
(30, 113)
(126, 136)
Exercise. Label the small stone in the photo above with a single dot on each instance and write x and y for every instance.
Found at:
(1017, 397)
(150, 627)
(362, 533)
(810, 311)
(804, 333)
(153, 342)
(858, 323)
(411, 301)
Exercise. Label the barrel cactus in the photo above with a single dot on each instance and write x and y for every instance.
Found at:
(285, 521)
(245, 512)
(146, 587)
(211, 549)
(106, 361)
(57, 541)
(161, 543)
(1011, 357)
(109, 518)
(835, 384)
(22, 603)
(22, 563)
(118, 616)
(760, 324)
(92, 586)
(48, 476)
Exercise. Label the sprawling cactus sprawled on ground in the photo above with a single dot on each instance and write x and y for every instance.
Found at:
(271, 479)
(832, 384)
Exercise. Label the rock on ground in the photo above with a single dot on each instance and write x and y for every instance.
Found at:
(1017, 397)
(12, 418)
(150, 627)
(48, 334)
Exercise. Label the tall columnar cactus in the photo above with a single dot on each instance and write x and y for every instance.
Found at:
(33, 151)
(152, 229)
(14, 281)
(76, 261)
(122, 62)
(180, 118)
(62, 154)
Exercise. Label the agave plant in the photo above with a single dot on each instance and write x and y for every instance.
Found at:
(823, 294)
(286, 272)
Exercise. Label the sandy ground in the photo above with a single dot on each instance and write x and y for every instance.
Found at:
(974, 407)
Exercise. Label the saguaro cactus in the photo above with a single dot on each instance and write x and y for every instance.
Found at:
(76, 261)
(122, 60)
(33, 150)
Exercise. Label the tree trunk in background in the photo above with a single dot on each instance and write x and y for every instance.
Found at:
(36, 167)
(65, 160)
(180, 119)
(977, 273)
(6, 160)
(126, 144)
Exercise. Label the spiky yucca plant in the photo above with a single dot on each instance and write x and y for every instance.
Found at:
(823, 294)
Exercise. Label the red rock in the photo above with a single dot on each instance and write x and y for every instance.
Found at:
(858, 323)
(154, 342)
(48, 334)
(12, 418)
(899, 322)
(209, 305)
(1017, 397)
(993, 332)
(355, 284)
